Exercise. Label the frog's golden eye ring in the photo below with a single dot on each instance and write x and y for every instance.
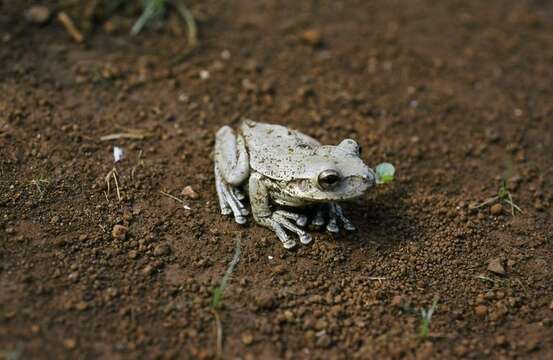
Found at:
(328, 179)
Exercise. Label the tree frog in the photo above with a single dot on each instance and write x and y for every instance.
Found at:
(280, 169)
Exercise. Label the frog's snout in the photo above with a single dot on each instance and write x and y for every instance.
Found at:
(369, 178)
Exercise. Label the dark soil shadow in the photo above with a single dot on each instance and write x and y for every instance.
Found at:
(383, 220)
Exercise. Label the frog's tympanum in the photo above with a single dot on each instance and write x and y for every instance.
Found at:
(278, 168)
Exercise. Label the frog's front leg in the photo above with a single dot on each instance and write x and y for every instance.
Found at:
(278, 220)
(231, 171)
(335, 214)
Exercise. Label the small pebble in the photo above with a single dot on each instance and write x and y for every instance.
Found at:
(70, 343)
(496, 266)
(247, 339)
(38, 14)
(321, 324)
(162, 250)
(119, 232)
(311, 37)
(481, 310)
(496, 209)
(148, 270)
(81, 305)
(189, 193)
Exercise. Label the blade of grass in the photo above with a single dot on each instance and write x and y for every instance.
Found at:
(192, 29)
(218, 292)
(152, 9)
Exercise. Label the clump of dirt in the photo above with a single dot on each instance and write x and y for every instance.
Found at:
(456, 94)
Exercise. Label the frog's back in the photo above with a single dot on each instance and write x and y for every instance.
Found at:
(276, 151)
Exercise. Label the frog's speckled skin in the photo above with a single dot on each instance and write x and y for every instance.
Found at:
(274, 165)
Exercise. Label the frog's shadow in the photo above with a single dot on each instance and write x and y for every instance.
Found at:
(382, 220)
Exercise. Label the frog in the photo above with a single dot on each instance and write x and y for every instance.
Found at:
(282, 171)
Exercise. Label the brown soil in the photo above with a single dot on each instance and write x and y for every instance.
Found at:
(457, 94)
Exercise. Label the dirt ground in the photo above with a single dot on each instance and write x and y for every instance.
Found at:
(457, 94)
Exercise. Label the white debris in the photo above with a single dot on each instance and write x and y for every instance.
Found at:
(117, 154)
(270, 257)
(204, 74)
(225, 55)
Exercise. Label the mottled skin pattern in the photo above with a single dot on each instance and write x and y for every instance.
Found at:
(273, 165)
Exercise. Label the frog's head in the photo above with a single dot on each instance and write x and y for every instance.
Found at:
(332, 173)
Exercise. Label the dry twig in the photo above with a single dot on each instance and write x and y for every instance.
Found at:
(70, 27)
(176, 199)
(113, 174)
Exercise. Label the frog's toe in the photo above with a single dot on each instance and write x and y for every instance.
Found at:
(240, 219)
(318, 221)
(226, 211)
(332, 227)
(349, 226)
(289, 244)
(301, 220)
(239, 194)
(306, 238)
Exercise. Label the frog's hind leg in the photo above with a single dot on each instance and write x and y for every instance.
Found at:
(231, 171)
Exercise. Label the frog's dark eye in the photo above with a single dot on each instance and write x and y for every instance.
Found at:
(328, 179)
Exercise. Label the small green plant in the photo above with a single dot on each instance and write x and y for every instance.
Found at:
(218, 292)
(155, 9)
(384, 173)
(152, 10)
(426, 318)
(503, 196)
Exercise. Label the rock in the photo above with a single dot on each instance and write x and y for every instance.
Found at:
(38, 15)
(496, 266)
(266, 300)
(81, 305)
(492, 135)
(311, 37)
(247, 338)
(70, 343)
(321, 324)
(133, 254)
(189, 193)
(532, 342)
(119, 232)
(496, 209)
(162, 250)
(500, 340)
(148, 270)
(481, 310)
(397, 300)
(323, 341)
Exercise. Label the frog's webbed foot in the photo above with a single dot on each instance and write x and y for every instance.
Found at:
(335, 215)
(279, 220)
(230, 199)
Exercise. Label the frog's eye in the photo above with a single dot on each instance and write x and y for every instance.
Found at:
(328, 179)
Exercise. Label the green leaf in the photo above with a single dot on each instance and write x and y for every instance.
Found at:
(384, 173)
